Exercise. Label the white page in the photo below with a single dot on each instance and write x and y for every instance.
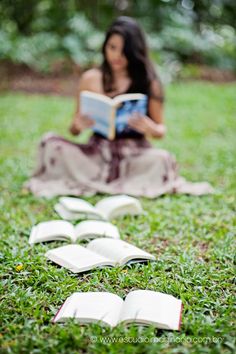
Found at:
(51, 230)
(74, 204)
(150, 307)
(64, 213)
(100, 109)
(68, 215)
(77, 205)
(97, 96)
(128, 97)
(77, 258)
(119, 205)
(90, 307)
(92, 228)
(117, 250)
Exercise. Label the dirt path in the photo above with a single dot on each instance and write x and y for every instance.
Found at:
(23, 79)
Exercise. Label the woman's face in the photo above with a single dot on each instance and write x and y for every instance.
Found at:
(114, 53)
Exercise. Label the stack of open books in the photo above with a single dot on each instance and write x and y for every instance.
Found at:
(105, 248)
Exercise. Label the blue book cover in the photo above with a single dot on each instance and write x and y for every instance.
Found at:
(125, 111)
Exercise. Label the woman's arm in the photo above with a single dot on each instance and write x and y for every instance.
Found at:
(153, 125)
(81, 122)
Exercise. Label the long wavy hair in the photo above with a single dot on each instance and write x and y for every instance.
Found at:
(140, 68)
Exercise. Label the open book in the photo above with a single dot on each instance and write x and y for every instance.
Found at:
(61, 230)
(72, 208)
(143, 307)
(111, 114)
(98, 253)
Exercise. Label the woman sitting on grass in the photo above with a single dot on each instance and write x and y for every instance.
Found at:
(128, 164)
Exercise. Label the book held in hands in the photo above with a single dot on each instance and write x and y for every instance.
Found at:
(54, 230)
(141, 307)
(111, 114)
(72, 208)
(98, 253)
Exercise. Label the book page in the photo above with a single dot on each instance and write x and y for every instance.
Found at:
(74, 204)
(150, 307)
(97, 96)
(79, 206)
(119, 205)
(128, 97)
(64, 213)
(100, 109)
(90, 307)
(51, 230)
(117, 250)
(92, 229)
(68, 215)
(77, 258)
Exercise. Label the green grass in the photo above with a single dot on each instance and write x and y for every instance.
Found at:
(192, 237)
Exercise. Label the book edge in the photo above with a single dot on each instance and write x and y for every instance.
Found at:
(128, 97)
(76, 215)
(33, 234)
(64, 200)
(98, 96)
(59, 310)
(134, 203)
(138, 259)
(180, 316)
(93, 235)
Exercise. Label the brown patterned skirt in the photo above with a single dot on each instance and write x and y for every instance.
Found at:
(127, 166)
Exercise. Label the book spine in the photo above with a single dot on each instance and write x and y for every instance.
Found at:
(60, 308)
(33, 235)
(180, 316)
(112, 126)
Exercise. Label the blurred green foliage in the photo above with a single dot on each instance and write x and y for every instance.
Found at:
(41, 32)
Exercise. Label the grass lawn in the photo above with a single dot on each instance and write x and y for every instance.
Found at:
(192, 237)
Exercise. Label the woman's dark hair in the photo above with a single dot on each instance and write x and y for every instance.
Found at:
(140, 68)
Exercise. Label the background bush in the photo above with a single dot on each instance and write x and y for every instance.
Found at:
(39, 33)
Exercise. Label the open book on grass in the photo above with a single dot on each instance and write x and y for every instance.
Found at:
(54, 230)
(111, 114)
(72, 208)
(98, 253)
(141, 307)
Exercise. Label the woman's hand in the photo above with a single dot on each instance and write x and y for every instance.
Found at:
(81, 123)
(145, 125)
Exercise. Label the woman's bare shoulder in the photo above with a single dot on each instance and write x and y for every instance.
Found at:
(92, 74)
(157, 91)
(91, 79)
